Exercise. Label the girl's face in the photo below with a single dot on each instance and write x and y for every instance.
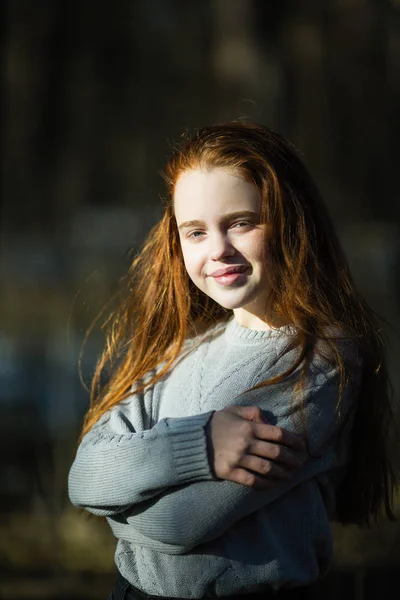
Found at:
(223, 241)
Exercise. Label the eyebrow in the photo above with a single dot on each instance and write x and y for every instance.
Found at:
(235, 215)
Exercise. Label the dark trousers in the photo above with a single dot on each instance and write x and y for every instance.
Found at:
(123, 590)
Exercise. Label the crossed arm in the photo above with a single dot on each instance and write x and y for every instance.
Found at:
(156, 486)
(117, 467)
(183, 517)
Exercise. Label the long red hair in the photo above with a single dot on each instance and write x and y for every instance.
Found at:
(312, 288)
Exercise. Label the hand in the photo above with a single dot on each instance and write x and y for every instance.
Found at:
(245, 449)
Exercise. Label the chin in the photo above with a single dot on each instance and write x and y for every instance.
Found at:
(232, 303)
(228, 306)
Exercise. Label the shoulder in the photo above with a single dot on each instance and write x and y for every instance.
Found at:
(323, 354)
(325, 372)
(337, 360)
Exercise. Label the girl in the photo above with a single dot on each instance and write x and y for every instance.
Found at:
(247, 398)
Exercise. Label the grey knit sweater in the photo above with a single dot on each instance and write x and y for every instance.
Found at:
(182, 532)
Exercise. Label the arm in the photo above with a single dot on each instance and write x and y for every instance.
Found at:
(117, 467)
(193, 514)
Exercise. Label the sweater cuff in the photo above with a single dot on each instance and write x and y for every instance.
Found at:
(189, 447)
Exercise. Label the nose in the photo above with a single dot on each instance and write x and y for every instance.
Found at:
(220, 246)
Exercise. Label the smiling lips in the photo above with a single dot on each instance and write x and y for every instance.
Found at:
(229, 274)
(229, 270)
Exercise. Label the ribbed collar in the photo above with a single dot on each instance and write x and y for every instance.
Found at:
(237, 334)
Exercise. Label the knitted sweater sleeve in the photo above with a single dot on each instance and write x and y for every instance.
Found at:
(118, 465)
(185, 517)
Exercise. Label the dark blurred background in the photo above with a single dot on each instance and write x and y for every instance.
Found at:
(93, 94)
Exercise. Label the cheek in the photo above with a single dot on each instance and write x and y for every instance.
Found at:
(191, 261)
(254, 248)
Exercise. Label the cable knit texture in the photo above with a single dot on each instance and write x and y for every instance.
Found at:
(181, 531)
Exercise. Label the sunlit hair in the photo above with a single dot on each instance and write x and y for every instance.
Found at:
(311, 288)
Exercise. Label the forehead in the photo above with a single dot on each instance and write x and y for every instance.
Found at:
(205, 192)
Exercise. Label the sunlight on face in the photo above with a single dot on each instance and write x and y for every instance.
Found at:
(223, 241)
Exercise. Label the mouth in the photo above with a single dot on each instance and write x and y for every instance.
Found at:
(229, 271)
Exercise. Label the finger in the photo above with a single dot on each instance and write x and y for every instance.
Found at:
(265, 467)
(249, 413)
(251, 480)
(275, 452)
(279, 435)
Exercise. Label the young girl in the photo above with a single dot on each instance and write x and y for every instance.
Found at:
(247, 397)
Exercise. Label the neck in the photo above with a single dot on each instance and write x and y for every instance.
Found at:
(251, 320)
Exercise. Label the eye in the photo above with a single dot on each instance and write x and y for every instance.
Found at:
(195, 235)
(242, 224)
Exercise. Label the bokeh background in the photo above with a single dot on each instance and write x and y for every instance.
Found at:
(93, 94)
